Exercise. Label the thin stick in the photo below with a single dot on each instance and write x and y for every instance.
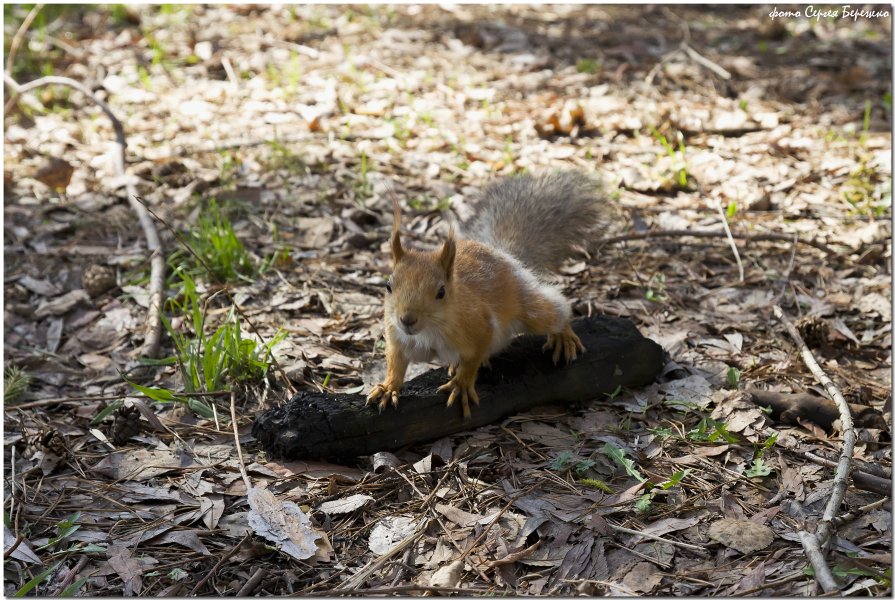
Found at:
(20, 34)
(733, 245)
(391, 591)
(755, 237)
(12, 478)
(242, 464)
(789, 268)
(769, 584)
(840, 481)
(859, 511)
(861, 479)
(152, 339)
(253, 582)
(231, 74)
(699, 58)
(70, 576)
(226, 291)
(98, 398)
(656, 538)
(15, 544)
(224, 559)
(503, 510)
(822, 572)
(353, 582)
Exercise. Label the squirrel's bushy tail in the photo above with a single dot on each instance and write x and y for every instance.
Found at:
(538, 219)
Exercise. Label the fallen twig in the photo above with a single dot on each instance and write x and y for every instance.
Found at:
(700, 59)
(753, 237)
(656, 538)
(15, 544)
(242, 463)
(840, 481)
(253, 582)
(98, 398)
(226, 291)
(224, 559)
(352, 583)
(858, 512)
(861, 479)
(769, 584)
(20, 34)
(401, 589)
(815, 554)
(514, 556)
(72, 573)
(733, 245)
(152, 339)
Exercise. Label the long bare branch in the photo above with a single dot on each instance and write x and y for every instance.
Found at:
(840, 481)
(152, 338)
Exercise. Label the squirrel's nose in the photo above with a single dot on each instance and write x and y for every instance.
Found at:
(409, 320)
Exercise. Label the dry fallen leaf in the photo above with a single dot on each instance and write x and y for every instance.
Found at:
(139, 464)
(390, 531)
(55, 174)
(448, 575)
(744, 536)
(345, 505)
(283, 523)
(644, 577)
(23, 551)
(60, 305)
(127, 567)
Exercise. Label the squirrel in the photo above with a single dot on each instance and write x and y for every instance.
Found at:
(467, 300)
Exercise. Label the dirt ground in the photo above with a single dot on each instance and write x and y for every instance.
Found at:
(293, 124)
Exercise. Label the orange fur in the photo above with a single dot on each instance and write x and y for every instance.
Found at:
(488, 298)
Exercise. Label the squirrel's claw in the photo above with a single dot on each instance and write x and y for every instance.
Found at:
(382, 389)
(564, 344)
(464, 392)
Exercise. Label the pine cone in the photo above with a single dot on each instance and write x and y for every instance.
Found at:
(815, 331)
(97, 279)
(127, 424)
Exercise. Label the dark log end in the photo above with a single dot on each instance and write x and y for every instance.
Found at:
(334, 426)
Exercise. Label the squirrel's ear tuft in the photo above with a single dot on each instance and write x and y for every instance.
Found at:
(397, 250)
(448, 253)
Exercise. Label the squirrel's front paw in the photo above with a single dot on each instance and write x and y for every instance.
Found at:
(462, 390)
(564, 344)
(386, 391)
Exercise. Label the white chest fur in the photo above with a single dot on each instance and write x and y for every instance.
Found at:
(427, 345)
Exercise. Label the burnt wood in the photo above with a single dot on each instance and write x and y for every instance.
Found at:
(338, 426)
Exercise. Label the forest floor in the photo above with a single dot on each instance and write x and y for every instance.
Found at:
(269, 138)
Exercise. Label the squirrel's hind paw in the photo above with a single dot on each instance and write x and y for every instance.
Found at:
(564, 344)
(382, 389)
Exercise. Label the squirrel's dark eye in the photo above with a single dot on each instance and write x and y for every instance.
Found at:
(388, 285)
(440, 293)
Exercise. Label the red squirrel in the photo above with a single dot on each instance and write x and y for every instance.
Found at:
(466, 301)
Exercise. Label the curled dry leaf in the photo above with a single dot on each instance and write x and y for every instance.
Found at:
(345, 505)
(390, 531)
(61, 305)
(140, 464)
(283, 523)
(448, 575)
(743, 536)
(384, 461)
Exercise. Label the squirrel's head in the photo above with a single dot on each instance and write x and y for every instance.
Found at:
(421, 284)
